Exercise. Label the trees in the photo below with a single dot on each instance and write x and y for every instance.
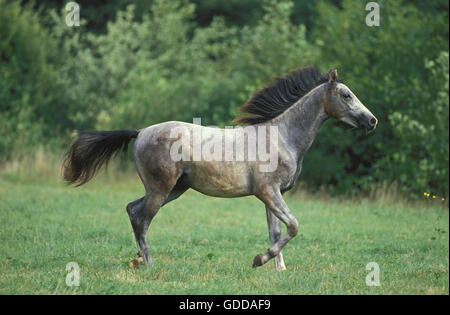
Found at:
(386, 68)
(25, 78)
(168, 61)
(421, 162)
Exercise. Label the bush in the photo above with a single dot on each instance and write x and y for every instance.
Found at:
(422, 129)
(385, 68)
(33, 93)
(157, 64)
(178, 71)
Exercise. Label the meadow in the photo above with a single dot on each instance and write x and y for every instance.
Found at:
(204, 245)
(131, 64)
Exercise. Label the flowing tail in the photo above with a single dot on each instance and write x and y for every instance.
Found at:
(91, 150)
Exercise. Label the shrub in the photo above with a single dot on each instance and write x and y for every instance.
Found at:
(385, 68)
(25, 78)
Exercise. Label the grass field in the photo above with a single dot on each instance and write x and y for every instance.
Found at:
(204, 245)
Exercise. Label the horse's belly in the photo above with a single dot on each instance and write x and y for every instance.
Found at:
(219, 179)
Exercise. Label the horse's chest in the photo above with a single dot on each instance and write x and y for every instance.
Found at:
(291, 171)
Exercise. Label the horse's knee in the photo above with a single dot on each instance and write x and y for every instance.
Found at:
(292, 227)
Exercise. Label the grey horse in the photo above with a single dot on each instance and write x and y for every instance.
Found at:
(169, 162)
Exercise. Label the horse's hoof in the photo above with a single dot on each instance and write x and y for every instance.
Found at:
(135, 263)
(258, 261)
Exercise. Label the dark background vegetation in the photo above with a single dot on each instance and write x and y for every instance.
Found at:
(136, 63)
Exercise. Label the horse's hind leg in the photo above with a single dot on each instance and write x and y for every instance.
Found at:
(143, 210)
(176, 192)
(274, 235)
(134, 210)
(141, 213)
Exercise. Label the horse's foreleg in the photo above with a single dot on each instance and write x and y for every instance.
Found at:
(274, 225)
(276, 205)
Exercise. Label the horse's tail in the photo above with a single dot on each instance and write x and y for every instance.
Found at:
(91, 150)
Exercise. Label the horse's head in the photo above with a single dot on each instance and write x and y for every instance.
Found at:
(345, 106)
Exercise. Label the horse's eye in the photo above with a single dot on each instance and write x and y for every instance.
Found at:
(347, 96)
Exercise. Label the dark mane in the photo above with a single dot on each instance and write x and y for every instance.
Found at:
(279, 95)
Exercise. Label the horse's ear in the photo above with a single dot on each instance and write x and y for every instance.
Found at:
(333, 75)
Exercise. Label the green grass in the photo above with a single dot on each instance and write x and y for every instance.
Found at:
(204, 245)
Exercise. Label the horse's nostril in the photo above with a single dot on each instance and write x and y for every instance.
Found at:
(373, 121)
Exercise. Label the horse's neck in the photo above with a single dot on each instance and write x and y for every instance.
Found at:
(301, 122)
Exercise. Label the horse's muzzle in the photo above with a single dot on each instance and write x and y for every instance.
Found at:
(368, 122)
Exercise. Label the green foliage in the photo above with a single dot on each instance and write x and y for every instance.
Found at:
(24, 70)
(237, 12)
(423, 131)
(183, 72)
(158, 60)
(385, 67)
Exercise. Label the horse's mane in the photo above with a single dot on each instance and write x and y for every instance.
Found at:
(281, 94)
